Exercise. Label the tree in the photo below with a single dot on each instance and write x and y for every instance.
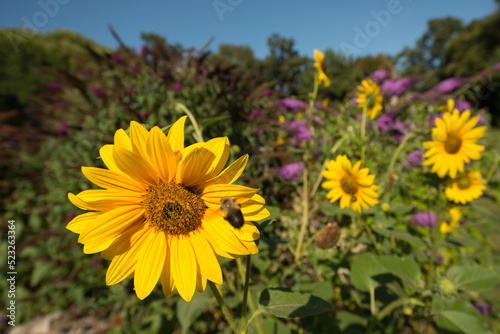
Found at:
(428, 53)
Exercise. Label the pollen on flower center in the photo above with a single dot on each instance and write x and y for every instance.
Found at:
(172, 208)
(349, 184)
(453, 143)
(370, 100)
(463, 183)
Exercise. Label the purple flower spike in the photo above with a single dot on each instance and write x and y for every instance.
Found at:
(415, 158)
(95, 262)
(424, 218)
(259, 131)
(63, 128)
(289, 104)
(177, 86)
(385, 122)
(448, 85)
(117, 58)
(256, 113)
(378, 76)
(462, 105)
(291, 172)
(482, 308)
(54, 86)
(98, 92)
(267, 92)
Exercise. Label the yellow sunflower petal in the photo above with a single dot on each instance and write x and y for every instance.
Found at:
(206, 258)
(161, 155)
(175, 135)
(151, 259)
(109, 179)
(166, 277)
(135, 166)
(183, 266)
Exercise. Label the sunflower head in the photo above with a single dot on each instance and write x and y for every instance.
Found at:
(158, 216)
(369, 98)
(466, 187)
(453, 143)
(352, 185)
(321, 68)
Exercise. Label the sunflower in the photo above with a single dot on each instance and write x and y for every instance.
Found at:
(369, 98)
(455, 215)
(454, 143)
(321, 67)
(352, 185)
(158, 215)
(466, 187)
(448, 107)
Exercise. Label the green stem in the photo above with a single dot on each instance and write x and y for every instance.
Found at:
(432, 264)
(223, 306)
(363, 135)
(373, 239)
(320, 177)
(305, 215)
(245, 293)
(493, 168)
(254, 316)
(198, 136)
(372, 301)
(387, 310)
(394, 159)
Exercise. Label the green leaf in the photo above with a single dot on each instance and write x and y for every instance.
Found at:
(285, 303)
(399, 208)
(349, 321)
(363, 268)
(407, 270)
(440, 304)
(400, 235)
(40, 271)
(188, 312)
(473, 278)
(462, 317)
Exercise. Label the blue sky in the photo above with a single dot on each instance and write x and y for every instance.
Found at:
(320, 24)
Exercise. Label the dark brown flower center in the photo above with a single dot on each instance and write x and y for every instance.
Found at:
(453, 143)
(174, 209)
(370, 100)
(463, 182)
(349, 184)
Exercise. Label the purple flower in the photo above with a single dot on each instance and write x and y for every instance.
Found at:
(354, 100)
(482, 119)
(424, 218)
(385, 122)
(299, 130)
(95, 262)
(267, 92)
(256, 113)
(54, 86)
(291, 172)
(439, 259)
(130, 92)
(433, 119)
(202, 69)
(177, 86)
(117, 58)
(400, 130)
(318, 120)
(136, 70)
(70, 215)
(448, 85)
(482, 308)
(462, 105)
(415, 158)
(63, 128)
(288, 104)
(378, 76)
(397, 87)
(145, 115)
(259, 131)
(144, 49)
(98, 92)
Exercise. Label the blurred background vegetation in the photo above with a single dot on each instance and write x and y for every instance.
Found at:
(62, 97)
